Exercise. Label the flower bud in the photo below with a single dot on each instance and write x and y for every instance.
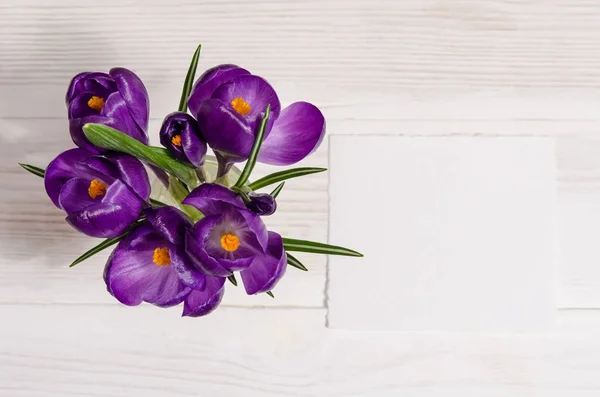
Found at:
(181, 136)
(261, 204)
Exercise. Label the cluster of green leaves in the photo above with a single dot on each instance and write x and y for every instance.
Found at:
(183, 177)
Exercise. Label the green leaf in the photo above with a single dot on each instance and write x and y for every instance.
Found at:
(255, 149)
(317, 248)
(100, 247)
(270, 294)
(189, 80)
(294, 262)
(277, 190)
(157, 203)
(33, 169)
(232, 279)
(111, 139)
(283, 175)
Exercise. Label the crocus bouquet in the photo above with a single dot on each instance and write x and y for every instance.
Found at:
(200, 223)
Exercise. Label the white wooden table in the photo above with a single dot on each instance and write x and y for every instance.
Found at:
(430, 69)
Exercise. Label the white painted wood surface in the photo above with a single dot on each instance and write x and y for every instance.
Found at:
(376, 67)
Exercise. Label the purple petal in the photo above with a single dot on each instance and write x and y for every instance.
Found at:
(232, 221)
(116, 107)
(233, 261)
(257, 93)
(76, 87)
(132, 277)
(74, 195)
(132, 173)
(101, 168)
(193, 147)
(60, 170)
(297, 132)
(201, 303)
(135, 95)
(258, 229)
(213, 199)
(266, 271)
(110, 217)
(209, 81)
(188, 273)
(144, 238)
(79, 107)
(224, 129)
(195, 241)
(138, 238)
(100, 83)
(169, 222)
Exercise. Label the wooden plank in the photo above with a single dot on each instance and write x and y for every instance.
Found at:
(452, 59)
(465, 44)
(36, 244)
(64, 350)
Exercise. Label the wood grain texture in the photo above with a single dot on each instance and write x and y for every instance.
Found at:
(454, 44)
(361, 58)
(81, 350)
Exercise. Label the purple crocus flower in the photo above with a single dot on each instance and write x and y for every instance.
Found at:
(181, 136)
(150, 265)
(229, 103)
(232, 238)
(117, 99)
(102, 196)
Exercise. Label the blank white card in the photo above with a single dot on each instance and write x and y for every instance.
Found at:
(458, 233)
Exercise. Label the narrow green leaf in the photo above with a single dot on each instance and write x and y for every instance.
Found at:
(255, 149)
(317, 248)
(277, 190)
(283, 175)
(232, 279)
(100, 247)
(111, 139)
(294, 262)
(270, 294)
(189, 80)
(33, 169)
(157, 203)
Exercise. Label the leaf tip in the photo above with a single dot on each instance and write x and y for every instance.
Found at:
(232, 279)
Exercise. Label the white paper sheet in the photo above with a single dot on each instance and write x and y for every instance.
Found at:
(458, 233)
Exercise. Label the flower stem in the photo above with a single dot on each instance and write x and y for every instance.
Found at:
(223, 164)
